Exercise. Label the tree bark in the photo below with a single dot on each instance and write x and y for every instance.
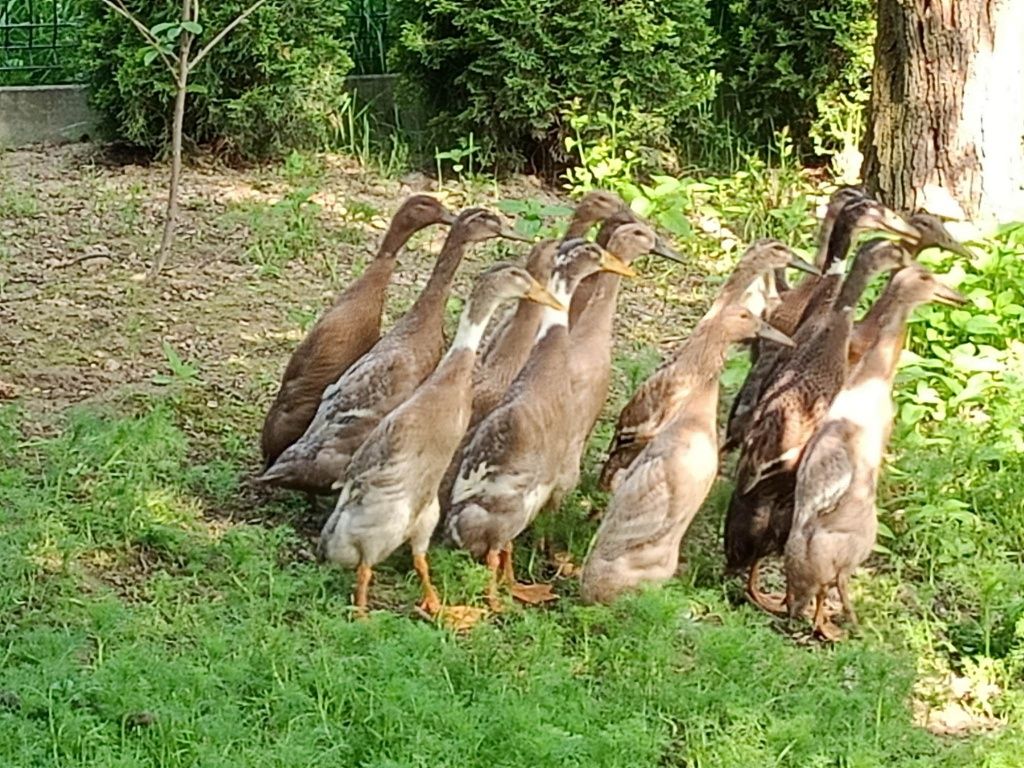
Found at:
(947, 108)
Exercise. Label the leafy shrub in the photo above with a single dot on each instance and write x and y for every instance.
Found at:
(802, 65)
(276, 81)
(507, 69)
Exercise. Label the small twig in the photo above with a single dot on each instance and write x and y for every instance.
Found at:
(223, 33)
(79, 260)
(145, 33)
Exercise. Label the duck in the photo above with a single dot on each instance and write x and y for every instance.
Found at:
(835, 520)
(503, 356)
(933, 235)
(512, 464)
(388, 494)
(793, 301)
(386, 375)
(661, 490)
(343, 333)
(760, 510)
(590, 339)
(654, 403)
(857, 213)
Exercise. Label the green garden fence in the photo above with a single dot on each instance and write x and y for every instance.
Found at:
(38, 42)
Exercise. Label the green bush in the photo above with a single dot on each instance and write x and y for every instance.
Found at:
(275, 82)
(509, 70)
(802, 65)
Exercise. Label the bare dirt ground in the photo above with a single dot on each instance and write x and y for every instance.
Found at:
(259, 253)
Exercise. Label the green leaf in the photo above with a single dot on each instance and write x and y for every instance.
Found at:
(151, 54)
(512, 206)
(675, 221)
(159, 29)
(193, 26)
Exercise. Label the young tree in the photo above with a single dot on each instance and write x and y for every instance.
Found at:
(160, 40)
(947, 105)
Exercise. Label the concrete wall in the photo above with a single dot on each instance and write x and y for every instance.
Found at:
(61, 113)
(56, 113)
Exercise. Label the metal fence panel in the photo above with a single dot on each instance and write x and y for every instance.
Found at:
(38, 39)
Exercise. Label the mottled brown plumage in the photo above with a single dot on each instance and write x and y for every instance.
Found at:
(834, 517)
(858, 214)
(512, 464)
(389, 491)
(793, 405)
(385, 376)
(343, 333)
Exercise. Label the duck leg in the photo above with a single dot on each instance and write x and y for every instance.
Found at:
(364, 574)
(534, 594)
(430, 603)
(419, 540)
(842, 583)
(774, 604)
(823, 627)
(314, 504)
(493, 561)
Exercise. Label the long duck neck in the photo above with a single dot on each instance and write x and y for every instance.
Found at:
(429, 306)
(888, 318)
(704, 352)
(561, 286)
(853, 286)
(579, 225)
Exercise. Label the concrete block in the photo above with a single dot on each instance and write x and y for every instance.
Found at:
(53, 113)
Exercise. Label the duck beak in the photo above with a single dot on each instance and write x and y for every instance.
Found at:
(771, 333)
(804, 266)
(948, 243)
(541, 295)
(661, 248)
(612, 263)
(888, 221)
(510, 234)
(447, 218)
(949, 297)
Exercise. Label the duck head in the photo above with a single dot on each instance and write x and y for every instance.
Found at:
(916, 285)
(420, 211)
(740, 324)
(935, 235)
(475, 225)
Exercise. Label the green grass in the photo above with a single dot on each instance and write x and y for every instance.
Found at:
(140, 631)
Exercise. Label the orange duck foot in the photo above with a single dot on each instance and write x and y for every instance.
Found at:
(774, 604)
(828, 631)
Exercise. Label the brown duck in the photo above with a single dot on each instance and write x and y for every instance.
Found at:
(386, 375)
(512, 464)
(389, 492)
(834, 518)
(857, 214)
(655, 402)
(344, 333)
(590, 339)
(661, 491)
(760, 510)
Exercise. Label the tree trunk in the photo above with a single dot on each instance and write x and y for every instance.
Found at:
(947, 108)
(177, 127)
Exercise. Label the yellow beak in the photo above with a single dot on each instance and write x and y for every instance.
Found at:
(612, 263)
(541, 295)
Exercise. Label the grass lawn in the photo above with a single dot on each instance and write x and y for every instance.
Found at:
(159, 610)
